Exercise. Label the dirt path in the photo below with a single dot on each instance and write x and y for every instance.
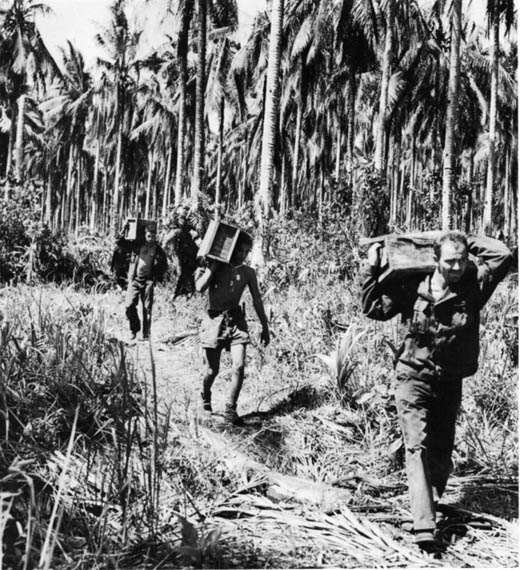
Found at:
(251, 529)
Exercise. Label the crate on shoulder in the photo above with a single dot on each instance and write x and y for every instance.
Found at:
(220, 241)
(407, 254)
(135, 228)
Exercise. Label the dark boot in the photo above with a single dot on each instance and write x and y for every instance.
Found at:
(206, 401)
(231, 416)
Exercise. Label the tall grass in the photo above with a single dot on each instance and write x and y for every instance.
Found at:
(82, 440)
(122, 461)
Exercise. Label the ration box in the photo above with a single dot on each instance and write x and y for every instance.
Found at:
(219, 241)
(136, 227)
(407, 254)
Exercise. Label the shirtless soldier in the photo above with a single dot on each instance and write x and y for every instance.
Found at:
(225, 324)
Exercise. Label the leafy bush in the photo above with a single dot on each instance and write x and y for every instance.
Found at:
(31, 252)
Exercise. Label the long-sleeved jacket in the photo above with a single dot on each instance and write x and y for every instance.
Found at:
(442, 338)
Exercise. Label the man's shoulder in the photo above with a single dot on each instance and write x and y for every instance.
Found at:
(248, 270)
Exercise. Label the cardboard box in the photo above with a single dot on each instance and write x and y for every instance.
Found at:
(136, 228)
(219, 241)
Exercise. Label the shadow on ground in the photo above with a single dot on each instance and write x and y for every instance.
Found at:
(307, 397)
(479, 500)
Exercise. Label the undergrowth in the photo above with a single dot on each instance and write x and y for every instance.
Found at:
(102, 469)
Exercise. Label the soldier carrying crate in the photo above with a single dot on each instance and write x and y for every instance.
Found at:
(226, 278)
(441, 311)
(148, 264)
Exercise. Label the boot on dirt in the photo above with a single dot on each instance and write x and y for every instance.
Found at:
(206, 402)
(428, 542)
(231, 416)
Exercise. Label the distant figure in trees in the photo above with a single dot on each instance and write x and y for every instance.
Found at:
(441, 312)
(225, 324)
(147, 266)
(120, 262)
(181, 245)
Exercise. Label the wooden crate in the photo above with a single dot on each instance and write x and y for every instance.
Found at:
(136, 227)
(219, 241)
(410, 254)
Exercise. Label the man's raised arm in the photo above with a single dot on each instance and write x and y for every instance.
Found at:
(203, 279)
(494, 261)
(377, 304)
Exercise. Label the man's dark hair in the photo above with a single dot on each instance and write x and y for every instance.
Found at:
(246, 239)
(454, 236)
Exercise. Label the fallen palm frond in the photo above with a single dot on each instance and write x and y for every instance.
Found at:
(362, 540)
(365, 542)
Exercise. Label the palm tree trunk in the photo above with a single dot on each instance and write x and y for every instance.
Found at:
(10, 146)
(78, 196)
(48, 202)
(219, 159)
(242, 185)
(95, 193)
(272, 100)
(154, 193)
(166, 195)
(400, 195)
(413, 152)
(117, 167)
(148, 185)
(379, 154)
(282, 202)
(448, 174)
(18, 147)
(408, 224)
(351, 112)
(490, 180)
(198, 165)
(338, 153)
(297, 133)
(68, 188)
(182, 56)
(507, 197)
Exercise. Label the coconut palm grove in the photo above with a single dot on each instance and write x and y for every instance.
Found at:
(317, 128)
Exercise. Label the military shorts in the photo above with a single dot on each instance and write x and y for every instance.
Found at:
(223, 330)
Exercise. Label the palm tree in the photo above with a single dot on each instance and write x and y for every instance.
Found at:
(186, 11)
(120, 43)
(265, 197)
(67, 112)
(25, 63)
(496, 9)
(217, 95)
(386, 70)
(448, 174)
(198, 161)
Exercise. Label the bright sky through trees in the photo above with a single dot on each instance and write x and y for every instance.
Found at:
(78, 21)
